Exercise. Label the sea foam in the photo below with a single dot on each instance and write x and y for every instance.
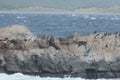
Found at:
(19, 76)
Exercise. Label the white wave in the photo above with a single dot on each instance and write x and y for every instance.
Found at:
(115, 18)
(92, 18)
(73, 15)
(19, 76)
(86, 16)
(25, 20)
(20, 17)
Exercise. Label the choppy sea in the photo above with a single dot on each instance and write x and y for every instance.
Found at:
(59, 25)
(62, 24)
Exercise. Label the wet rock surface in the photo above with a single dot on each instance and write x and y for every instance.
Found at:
(89, 56)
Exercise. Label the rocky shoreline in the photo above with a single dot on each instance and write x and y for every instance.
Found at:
(90, 56)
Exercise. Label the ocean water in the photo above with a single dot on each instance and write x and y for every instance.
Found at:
(63, 24)
(19, 76)
(59, 25)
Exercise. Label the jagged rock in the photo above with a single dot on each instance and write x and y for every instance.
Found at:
(90, 56)
(55, 42)
(43, 40)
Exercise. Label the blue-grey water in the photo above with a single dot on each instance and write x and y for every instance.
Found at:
(63, 24)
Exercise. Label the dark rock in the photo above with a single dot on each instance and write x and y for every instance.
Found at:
(55, 42)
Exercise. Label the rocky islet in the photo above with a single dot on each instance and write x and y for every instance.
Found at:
(89, 56)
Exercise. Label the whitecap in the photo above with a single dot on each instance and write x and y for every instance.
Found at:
(92, 18)
(19, 76)
(115, 18)
(25, 20)
(73, 15)
(20, 17)
(86, 16)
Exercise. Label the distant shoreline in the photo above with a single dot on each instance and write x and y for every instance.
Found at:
(91, 10)
(39, 12)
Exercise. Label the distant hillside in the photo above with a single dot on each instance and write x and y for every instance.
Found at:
(114, 9)
(84, 6)
(60, 4)
(38, 9)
